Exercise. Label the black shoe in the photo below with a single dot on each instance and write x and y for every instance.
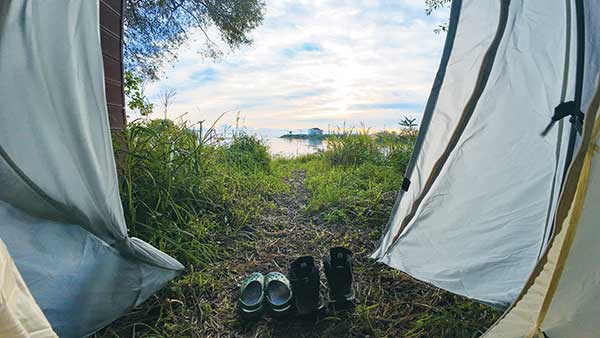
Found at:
(305, 280)
(338, 270)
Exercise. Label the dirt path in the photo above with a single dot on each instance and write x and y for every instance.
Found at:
(391, 304)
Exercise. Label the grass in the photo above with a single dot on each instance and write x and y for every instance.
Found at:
(224, 207)
(354, 181)
(187, 194)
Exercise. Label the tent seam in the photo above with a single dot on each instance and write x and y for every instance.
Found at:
(482, 79)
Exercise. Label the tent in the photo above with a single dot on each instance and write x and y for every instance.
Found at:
(60, 212)
(562, 296)
(20, 316)
(478, 207)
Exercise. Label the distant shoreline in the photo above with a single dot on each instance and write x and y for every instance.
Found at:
(305, 136)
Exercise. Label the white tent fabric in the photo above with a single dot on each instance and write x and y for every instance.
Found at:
(60, 211)
(20, 316)
(562, 298)
(484, 184)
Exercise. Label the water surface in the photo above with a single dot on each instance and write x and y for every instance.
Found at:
(287, 147)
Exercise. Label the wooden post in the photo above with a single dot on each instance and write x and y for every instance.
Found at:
(111, 33)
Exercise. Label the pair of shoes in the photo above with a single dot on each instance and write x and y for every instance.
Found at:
(257, 291)
(305, 280)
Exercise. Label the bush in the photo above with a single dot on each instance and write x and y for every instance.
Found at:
(352, 149)
(384, 148)
(249, 153)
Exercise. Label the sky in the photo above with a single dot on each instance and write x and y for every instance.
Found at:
(313, 63)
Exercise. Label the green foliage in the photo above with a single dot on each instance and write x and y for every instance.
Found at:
(154, 29)
(360, 196)
(352, 149)
(132, 86)
(248, 153)
(453, 317)
(384, 148)
(354, 181)
(409, 125)
(433, 5)
(181, 192)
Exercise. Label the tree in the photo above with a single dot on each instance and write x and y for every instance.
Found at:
(154, 29)
(167, 97)
(433, 5)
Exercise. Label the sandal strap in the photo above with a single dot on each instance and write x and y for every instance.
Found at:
(253, 277)
(277, 276)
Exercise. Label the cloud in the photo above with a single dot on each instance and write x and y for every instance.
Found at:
(315, 63)
(387, 106)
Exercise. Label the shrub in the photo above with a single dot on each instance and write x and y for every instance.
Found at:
(352, 149)
(248, 153)
(383, 148)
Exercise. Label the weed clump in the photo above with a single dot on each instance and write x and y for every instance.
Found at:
(248, 153)
(357, 148)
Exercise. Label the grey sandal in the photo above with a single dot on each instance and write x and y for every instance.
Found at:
(252, 296)
(278, 292)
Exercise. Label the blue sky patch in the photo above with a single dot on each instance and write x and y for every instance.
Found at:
(307, 47)
(205, 75)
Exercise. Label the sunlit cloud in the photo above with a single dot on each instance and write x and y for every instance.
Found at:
(315, 63)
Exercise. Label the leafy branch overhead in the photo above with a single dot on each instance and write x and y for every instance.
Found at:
(154, 29)
(433, 5)
(134, 90)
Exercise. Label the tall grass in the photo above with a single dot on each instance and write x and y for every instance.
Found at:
(356, 148)
(186, 192)
(355, 179)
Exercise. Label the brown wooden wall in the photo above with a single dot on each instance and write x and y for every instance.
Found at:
(111, 34)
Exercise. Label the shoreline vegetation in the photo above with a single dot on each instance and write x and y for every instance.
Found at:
(307, 137)
(349, 133)
(227, 208)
